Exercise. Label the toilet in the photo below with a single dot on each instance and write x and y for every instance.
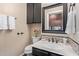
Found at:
(28, 49)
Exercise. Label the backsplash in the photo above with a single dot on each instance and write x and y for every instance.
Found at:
(57, 39)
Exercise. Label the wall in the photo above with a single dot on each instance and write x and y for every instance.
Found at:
(10, 42)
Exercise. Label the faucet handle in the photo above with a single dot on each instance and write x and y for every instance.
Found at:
(52, 39)
(48, 39)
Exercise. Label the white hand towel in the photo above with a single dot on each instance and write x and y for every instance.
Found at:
(4, 22)
(1, 24)
(70, 27)
(11, 22)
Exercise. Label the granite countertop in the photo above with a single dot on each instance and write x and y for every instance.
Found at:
(59, 48)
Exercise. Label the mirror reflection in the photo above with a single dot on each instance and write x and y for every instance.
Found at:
(54, 18)
(56, 21)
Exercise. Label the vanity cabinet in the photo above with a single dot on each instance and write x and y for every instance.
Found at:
(54, 54)
(33, 13)
(40, 52)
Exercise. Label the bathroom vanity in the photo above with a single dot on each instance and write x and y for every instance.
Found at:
(45, 48)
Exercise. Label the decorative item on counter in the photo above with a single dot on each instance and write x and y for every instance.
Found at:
(35, 35)
(36, 32)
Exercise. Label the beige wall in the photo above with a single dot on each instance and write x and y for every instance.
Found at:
(10, 42)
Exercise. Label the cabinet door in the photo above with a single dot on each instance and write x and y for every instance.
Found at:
(54, 54)
(37, 13)
(39, 52)
(30, 13)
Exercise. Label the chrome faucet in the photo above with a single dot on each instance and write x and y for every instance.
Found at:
(49, 40)
(56, 40)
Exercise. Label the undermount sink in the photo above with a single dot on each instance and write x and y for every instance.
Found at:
(56, 46)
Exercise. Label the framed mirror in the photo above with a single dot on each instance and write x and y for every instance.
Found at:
(54, 18)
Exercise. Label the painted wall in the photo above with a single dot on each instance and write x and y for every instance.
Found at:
(10, 42)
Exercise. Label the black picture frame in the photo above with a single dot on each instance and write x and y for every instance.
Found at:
(64, 18)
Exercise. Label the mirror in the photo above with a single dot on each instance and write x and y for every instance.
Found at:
(54, 18)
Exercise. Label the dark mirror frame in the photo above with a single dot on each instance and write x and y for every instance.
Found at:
(64, 18)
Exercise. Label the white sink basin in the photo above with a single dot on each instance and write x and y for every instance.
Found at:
(54, 46)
